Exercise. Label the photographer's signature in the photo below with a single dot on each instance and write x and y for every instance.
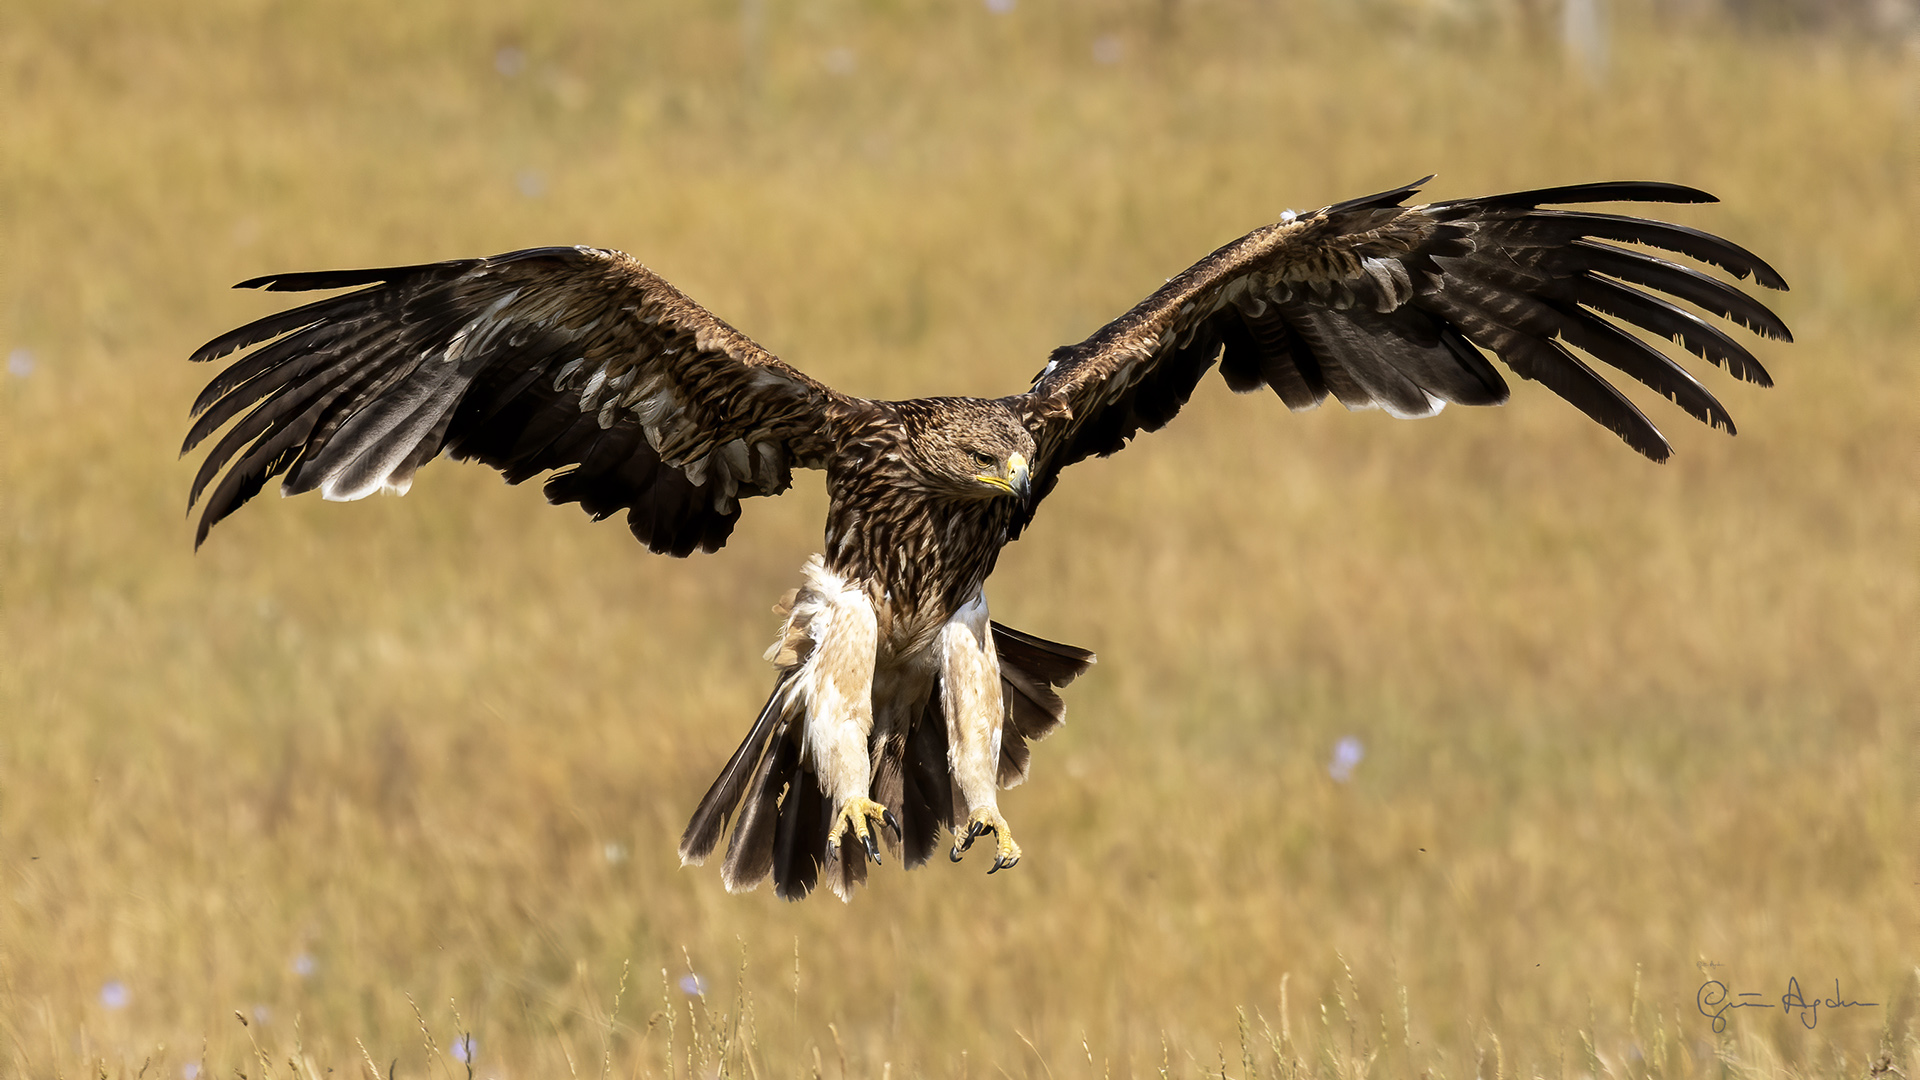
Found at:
(1715, 1001)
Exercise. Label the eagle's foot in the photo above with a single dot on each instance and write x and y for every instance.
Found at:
(863, 818)
(981, 822)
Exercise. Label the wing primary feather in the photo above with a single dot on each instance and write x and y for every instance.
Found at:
(1710, 294)
(333, 308)
(1558, 370)
(287, 374)
(1609, 344)
(1673, 323)
(1653, 191)
(265, 416)
(302, 349)
(273, 453)
(1566, 226)
(310, 280)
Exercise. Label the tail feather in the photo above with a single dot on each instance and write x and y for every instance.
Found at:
(888, 786)
(1031, 668)
(800, 835)
(750, 855)
(926, 807)
(710, 818)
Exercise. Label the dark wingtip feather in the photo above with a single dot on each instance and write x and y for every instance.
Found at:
(1655, 191)
(1379, 200)
(1686, 283)
(308, 280)
(1694, 243)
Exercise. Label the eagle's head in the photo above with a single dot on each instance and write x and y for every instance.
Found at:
(970, 448)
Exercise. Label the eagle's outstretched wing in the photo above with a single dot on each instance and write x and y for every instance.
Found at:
(550, 358)
(1389, 306)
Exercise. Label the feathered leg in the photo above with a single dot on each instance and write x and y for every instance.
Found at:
(834, 634)
(970, 690)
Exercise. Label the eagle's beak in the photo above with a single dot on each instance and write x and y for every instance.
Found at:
(1014, 482)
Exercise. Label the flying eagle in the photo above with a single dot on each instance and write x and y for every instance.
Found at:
(899, 709)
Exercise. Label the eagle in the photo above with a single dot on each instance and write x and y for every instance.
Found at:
(899, 708)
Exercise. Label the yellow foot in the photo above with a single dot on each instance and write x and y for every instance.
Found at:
(981, 822)
(864, 818)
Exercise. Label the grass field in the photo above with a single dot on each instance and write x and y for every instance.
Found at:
(379, 777)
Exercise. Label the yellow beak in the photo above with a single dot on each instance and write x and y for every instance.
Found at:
(1015, 483)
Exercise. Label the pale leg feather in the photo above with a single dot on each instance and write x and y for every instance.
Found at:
(835, 682)
(970, 692)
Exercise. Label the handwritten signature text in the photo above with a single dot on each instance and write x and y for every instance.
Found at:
(1715, 1000)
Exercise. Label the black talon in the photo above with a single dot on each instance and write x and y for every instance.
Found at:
(892, 823)
(977, 830)
(873, 847)
(955, 853)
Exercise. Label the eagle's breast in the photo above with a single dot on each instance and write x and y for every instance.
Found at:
(919, 555)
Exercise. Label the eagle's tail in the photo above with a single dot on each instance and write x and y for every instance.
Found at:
(787, 837)
(1031, 670)
(912, 775)
(785, 813)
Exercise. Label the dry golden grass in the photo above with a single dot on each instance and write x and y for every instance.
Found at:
(1621, 721)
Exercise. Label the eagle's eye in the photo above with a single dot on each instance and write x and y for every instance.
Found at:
(984, 460)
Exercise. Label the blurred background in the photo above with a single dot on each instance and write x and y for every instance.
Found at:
(1467, 747)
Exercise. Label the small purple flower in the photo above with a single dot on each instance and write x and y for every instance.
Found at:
(1346, 754)
(20, 363)
(999, 7)
(509, 61)
(262, 1014)
(464, 1048)
(114, 994)
(304, 965)
(693, 985)
(190, 1071)
(1108, 49)
(531, 184)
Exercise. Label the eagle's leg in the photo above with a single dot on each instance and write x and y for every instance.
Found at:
(970, 692)
(836, 621)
